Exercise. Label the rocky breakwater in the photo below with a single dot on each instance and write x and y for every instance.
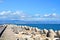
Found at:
(30, 33)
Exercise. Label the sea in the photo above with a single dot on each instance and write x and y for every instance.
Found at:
(44, 26)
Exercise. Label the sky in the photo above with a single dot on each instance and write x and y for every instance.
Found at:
(30, 10)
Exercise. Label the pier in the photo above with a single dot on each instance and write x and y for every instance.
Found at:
(2, 29)
(15, 32)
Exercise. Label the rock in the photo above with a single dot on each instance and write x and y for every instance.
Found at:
(45, 31)
(58, 33)
(51, 34)
(37, 38)
(31, 33)
(48, 39)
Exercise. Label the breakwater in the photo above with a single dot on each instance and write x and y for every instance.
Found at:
(15, 32)
(2, 29)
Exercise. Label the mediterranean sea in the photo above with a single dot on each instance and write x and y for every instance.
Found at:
(44, 26)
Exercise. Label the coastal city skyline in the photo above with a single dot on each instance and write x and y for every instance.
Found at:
(30, 10)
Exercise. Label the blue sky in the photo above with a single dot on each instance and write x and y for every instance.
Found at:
(30, 10)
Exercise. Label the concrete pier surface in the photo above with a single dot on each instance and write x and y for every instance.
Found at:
(8, 34)
(14, 32)
(1, 28)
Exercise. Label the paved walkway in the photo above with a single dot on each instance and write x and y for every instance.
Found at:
(1, 28)
(8, 34)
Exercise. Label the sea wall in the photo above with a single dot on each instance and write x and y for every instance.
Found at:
(14, 32)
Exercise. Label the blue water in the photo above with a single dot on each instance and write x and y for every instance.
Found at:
(44, 26)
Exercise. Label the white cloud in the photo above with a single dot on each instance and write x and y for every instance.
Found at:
(50, 15)
(20, 15)
(18, 12)
(13, 15)
(46, 15)
(37, 15)
(5, 12)
(2, 13)
(54, 14)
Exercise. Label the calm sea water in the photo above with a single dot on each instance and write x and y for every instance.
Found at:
(44, 26)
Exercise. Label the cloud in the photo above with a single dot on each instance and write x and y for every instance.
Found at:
(37, 15)
(5, 12)
(50, 15)
(20, 15)
(46, 15)
(54, 14)
(2, 13)
(12, 15)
